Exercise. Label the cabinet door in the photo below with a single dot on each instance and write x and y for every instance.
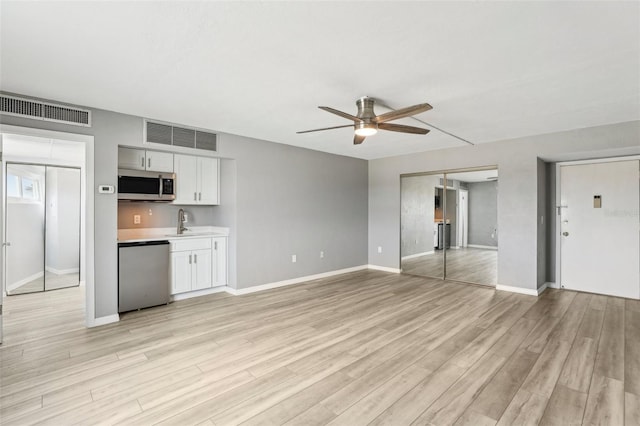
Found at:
(208, 180)
(201, 269)
(219, 261)
(129, 158)
(159, 161)
(186, 178)
(181, 263)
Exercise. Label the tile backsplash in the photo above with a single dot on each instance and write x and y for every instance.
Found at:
(161, 215)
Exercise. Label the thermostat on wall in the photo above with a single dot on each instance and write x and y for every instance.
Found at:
(106, 189)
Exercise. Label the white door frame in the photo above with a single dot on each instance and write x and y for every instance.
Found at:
(558, 283)
(463, 219)
(87, 208)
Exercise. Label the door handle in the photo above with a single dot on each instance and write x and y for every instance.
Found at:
(565, 233)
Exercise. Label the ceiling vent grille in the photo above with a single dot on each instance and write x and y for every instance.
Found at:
(37, 110)
(184, 137)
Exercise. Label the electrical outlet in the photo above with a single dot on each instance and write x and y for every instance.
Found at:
(416, 241)
(379, 249)
(186, 217)
(136, 219)
(150, 212)
(321, 255)
(294, 258)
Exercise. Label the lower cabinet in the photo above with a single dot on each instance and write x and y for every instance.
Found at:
(198, 263)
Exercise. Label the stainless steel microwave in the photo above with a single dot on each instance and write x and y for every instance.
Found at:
(146, 186)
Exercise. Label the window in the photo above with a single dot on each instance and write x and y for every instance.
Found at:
(13, 186)
(22, 188)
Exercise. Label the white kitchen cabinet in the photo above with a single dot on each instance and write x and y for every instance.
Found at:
(197, 180)
(140, 159)
(159, 161)
(133, 159)
(191, 261)
(202, 277)
(219, 261)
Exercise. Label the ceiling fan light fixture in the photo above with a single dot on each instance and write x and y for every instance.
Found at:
(366, 129)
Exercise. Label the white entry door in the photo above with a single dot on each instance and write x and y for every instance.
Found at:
(600, 229)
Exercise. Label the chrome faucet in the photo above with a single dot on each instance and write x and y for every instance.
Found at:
(181, 227)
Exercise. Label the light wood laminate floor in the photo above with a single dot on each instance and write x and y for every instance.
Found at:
(361, 348)
(469, 264)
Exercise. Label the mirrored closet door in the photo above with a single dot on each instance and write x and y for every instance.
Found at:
(42, 228)
(457, 213)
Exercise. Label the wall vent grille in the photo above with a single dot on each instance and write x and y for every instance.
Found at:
(184, 137)
(37, 110)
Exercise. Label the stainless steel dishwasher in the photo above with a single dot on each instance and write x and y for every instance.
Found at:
(143, 275)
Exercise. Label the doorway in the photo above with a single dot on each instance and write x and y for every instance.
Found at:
(449, 225)
(599, 227)
(42, 228)
(67, 150)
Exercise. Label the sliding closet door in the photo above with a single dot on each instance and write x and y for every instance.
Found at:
(62, 251)
(422, 227)
(25, 225)
(472, 217)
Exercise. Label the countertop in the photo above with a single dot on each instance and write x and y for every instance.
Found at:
(155, 234)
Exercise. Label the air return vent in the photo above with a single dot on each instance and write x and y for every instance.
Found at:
(185, 137)
(37, 110)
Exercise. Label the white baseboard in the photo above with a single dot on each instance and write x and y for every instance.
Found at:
(384, 269)
(269, 286)
(413, 256)
(104, 320)
(552, 285)
(520, 290)
(197, 293)
(62, 271)
(23, 281)
(482, 247)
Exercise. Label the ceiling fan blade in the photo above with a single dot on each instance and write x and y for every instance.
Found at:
(357, 140)
(402, 128)
(325, 128)
(402, 112)
(341, 114)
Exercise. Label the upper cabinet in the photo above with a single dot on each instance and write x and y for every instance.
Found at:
(140, 159)
(198, 180)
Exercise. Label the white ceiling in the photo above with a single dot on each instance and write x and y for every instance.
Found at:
(491, 70)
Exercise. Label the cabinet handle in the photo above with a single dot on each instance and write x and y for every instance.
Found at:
(195, 258)
(199, 196)
(189, 259)
(195, 196)
(149, 162)
(142, 162)
(215, 245)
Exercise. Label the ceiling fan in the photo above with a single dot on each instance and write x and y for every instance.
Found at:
(367, 123)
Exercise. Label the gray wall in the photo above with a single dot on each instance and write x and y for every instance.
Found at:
(163, 215)
(289, 201)
(542, 220)
(483, 213)
(417, 214)
(550, 171)
(517, 162)
(295, 201)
